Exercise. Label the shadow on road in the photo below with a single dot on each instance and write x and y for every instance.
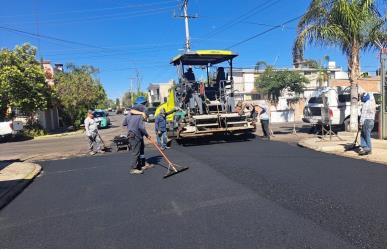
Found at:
(216, 139)
(157, 160)
(18, 138)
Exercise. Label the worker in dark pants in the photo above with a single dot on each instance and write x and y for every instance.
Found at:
(265, 120)
(136, 132)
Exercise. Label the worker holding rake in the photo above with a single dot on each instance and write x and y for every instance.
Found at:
(136, 132)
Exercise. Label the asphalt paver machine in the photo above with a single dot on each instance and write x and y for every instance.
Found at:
(204, 106)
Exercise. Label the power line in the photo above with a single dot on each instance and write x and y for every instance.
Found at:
(244, 16)
(103, 17)
(264, 32)
(98, 9)
(269, 25)
(9, 29)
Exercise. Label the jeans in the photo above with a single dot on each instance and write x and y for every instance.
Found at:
(137, 152)
(365, 135)
(265, 127)
(162, 139)
(94, 142)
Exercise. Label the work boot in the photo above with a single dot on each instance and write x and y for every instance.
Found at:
(136, 172)
(364, 152)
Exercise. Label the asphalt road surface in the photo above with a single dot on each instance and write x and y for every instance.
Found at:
(251, 194)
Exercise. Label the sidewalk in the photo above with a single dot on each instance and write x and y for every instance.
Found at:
(336, 146)
(14, 177)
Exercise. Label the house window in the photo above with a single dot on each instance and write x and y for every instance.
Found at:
(307, 73)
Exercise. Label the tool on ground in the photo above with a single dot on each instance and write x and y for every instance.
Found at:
(172, 168)
(103, 143)
(353, 146)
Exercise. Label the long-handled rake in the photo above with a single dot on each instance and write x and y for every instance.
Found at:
(172, 168)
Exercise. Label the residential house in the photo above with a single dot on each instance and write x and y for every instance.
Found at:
(244, 85)
(158, 92)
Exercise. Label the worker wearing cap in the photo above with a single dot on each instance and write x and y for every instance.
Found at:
(161, 127)
(91, 127)
(136, 131)
(367, 120)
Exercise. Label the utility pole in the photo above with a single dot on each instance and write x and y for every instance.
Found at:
(383, 89)
(187, 36)
(131, 89)
(186, 21)
(383, 86)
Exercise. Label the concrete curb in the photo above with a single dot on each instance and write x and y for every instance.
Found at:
(321, 147)
(71, 133)
(18, 185)
(339, 150)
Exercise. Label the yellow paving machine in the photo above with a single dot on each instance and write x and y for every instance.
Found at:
(204, 106)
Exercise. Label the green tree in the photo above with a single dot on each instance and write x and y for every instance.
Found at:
(272, 82)
(78, 90)
(22, 81)
(117, 103)
(352, 25)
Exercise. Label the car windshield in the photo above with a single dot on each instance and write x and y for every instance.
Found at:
(99, 114)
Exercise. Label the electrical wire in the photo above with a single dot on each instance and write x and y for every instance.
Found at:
(264, 32)
(9, 29)
(99, 18)
(244, 16)
(97, 9)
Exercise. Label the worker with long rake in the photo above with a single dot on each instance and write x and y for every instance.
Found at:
(136, 132)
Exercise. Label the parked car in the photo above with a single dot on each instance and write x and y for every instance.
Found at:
(101, 118)
(10, 128)
(339, 104)
(150, 112)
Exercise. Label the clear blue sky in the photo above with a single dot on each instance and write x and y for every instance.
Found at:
(125, 34)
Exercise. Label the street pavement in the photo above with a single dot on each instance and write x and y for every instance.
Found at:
(54, 147)
(239, 194)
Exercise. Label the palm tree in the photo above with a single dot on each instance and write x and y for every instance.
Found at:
(351, 25)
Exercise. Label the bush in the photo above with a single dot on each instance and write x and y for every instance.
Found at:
(32, 130)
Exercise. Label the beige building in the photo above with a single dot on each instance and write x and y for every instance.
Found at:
(244, 80)
(158, 92)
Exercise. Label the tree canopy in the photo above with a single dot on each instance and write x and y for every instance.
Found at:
(272, 82)
(22, 81)
(351, 25)
(78, 90)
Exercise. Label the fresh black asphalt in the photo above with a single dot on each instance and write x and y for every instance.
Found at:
(241, 194)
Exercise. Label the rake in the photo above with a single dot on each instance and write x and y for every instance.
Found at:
(173, 169)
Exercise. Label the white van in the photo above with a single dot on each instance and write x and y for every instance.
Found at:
(339, 104)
